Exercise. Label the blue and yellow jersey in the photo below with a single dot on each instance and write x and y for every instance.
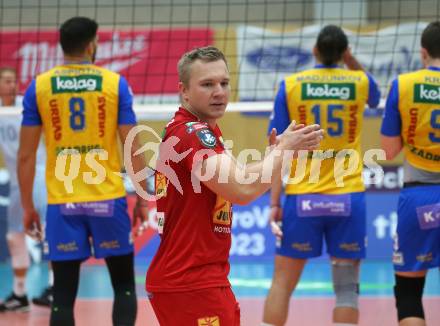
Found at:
(80, 107)
(413, 112)
(335, 98)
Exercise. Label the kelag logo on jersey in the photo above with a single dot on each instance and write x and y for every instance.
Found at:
(326, 91)
(425, 93)
(279, 58)
(84, 83)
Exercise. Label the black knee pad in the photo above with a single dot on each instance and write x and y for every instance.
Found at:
(408, 292)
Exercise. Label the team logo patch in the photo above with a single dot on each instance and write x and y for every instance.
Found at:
(194, 126)
(208, 321)
(207, 138)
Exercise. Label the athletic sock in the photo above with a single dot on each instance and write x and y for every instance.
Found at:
(19, 287)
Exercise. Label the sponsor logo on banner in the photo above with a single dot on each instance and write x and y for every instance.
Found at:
(386, 179)
(125, 52)
(326, 91)
(269, 55)
(429, 216)
(323, 205)
(425, 93)
(279, 58)
(76, 84)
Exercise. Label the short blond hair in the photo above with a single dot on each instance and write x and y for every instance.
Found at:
(7, 69)
(205, 54)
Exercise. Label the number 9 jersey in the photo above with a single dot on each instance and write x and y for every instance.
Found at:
(80, 107)
(334, 98)
(413, 112)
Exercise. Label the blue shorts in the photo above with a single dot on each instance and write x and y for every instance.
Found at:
(417, 240)
(73, 230)
(309, 218)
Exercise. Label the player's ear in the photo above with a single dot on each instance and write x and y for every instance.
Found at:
(424, 55)
(90, 48)
(315, 52)
(183, 92)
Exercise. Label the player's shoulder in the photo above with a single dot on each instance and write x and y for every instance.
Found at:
(192, 132)
(355, 75)
(296, 75)
(48, 73)
(412, 74)
(185, 127)
(107, 72)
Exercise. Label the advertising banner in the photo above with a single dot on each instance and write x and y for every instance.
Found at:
(147, 58)
(267, 56)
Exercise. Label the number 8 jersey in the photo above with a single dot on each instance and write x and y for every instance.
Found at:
(335, 98)
(80, 107)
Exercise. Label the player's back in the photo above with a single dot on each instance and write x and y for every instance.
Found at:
(78, 105)
(419, 107)
(334, 98)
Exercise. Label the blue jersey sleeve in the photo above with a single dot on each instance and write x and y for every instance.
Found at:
(373, 92)
(280, 115)
(392, 122)
(31, 116)
(126, 114)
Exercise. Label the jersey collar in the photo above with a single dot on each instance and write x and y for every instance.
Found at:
(434, 68)
(184, 114)
(320, 65)
(77, 62)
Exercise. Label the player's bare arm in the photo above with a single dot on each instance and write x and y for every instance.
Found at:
(307, 138)
(140, 211)
(29, 139)
(391, 145)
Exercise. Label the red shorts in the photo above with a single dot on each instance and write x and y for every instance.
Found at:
(206, 307)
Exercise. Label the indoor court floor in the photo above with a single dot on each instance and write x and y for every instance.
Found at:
(311, 304)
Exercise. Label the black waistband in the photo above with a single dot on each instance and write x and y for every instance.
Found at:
(418, 184)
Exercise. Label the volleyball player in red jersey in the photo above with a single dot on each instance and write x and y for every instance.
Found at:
(187, 281)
